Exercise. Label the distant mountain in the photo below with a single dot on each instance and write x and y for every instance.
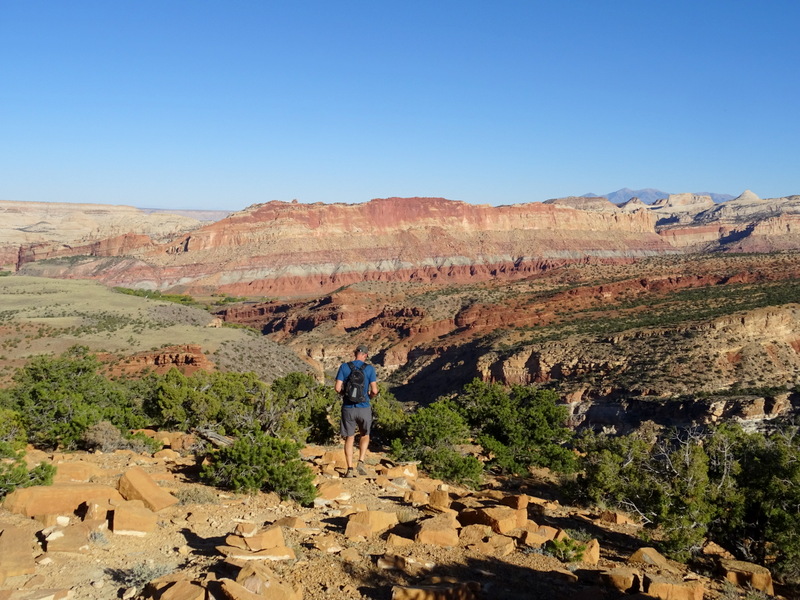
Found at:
(650, 195)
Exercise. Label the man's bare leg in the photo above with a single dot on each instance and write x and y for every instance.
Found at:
(363, 444)
(348, 450)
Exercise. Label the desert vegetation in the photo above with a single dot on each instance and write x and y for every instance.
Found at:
(519, 428)
(66, 402)
(739, 489)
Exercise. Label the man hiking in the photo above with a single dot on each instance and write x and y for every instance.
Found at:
(357, 382)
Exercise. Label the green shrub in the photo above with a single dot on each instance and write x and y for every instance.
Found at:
(59, 398)
(12, 431)
(389, 416)
(184, 299)
(261, 462)
(450, 465)
(664, 482)
(14, 473)
(430, 435)
(295, 406)
(566, 550)
(739, 489)
(302, 409)
(521, 428)
(220, 401)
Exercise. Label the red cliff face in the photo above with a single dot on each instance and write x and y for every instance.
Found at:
(286, 249)
(187, 359)
(290, 249)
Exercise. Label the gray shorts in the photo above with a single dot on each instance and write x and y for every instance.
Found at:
(356, 416)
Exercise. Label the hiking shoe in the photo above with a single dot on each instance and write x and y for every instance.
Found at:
(362, 470)
(349, 474)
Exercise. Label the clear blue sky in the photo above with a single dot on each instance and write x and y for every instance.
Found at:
(197, 104)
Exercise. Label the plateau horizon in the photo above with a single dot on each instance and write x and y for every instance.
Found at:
(646, 195)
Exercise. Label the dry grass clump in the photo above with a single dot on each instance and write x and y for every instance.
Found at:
(196, 494)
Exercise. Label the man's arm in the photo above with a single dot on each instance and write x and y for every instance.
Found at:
(341, 375)
(373, 382)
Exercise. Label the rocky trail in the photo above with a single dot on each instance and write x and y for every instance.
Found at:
(127, 525)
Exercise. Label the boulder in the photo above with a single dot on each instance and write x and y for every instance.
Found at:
(331, 491)
(231, 590)
(398, 541)
(672, 588)
(440, 530)
(474, 534)
(501, 519)
(133, 518)
(291, 522)
(136, 484)
(327, 543)
(616, 518)
(439, 500)
(591, 554)
(272, 554)
(259, 579)
(416, 497)
(408, 471)
(334, 457)
(183, 590)
(97, 510)
(272, 537)
(16, 553)
(57, 499)
(516, 501)
(74, 538)
(650, 556)
(426, 484)
(75, 472)
(246, 529)
(622, 579)
(496, 545)
(745, 574)
(369, 522)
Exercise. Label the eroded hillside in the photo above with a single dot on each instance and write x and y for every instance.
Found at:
(132, 334)
(660, 332)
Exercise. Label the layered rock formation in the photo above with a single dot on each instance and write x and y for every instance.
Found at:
(35, 230)
(286, 249)
(745, 224)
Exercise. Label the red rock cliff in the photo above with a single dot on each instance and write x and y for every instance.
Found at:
(282, 248)
(291, 249)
